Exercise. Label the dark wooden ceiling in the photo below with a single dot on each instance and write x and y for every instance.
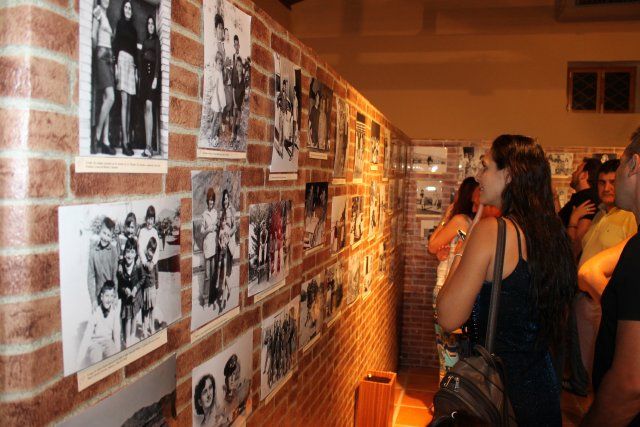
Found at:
(289, 3)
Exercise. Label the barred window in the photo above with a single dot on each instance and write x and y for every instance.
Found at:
(601, 89)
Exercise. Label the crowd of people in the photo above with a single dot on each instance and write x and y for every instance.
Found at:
(570, 301)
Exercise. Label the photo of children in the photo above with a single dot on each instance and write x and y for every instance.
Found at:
(361, 130)
(429, 197)
(386, 141)
(315, 209)
(119, 276)
(221, 386)
(356, 227)
(227, 79)
(311, 310)
(355, 273)
(375, 142)
(216, 245)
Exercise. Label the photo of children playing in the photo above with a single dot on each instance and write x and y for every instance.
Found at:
(119, 276)
(216, 245)
(227, 77)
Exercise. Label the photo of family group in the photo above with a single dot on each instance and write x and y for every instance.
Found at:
(471, 161)
(270, 226)
(288, 110)
(356, 229)
(320, 105)
(333, 290)
(119, 276)
(375, 142)
(315, 214)
(561, 164)
(311, 310)
(124, 85)
(429, 197)
(361, 131)
(342, 139)
(279, 347)
(227, 79)
(221, 386)
(148, 401)
(338, 223)
(216, 245)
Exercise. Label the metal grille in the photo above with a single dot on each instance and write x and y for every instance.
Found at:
(616, 91)
(590, 2)
(584, 91)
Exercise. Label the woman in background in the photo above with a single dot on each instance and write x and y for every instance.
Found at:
(125, 45)
(150, 80)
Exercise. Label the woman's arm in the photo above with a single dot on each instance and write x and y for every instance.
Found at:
(443, 234)
(594, 274)
(456, 298)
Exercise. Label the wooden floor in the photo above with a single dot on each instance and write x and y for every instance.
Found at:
(415, 389)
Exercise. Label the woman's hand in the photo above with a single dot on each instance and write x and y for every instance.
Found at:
(584, 209)
(154, 84)
(443, 253)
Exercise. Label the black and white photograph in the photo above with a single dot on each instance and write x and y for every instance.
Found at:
(429, 197)
(147, 401)
(374, 209)
(356, 226)
(375, 142)
(342, 139)
(221, 386)
(429, 160)
(392, 195)
(604, 157)
(311, 310)
(338, 223)
(227, 81)
(367, 275)
(124, 79)
(394, 230)
(216, 245)
(333, 290)
(288, 111)
(270, 227)
(354, 280)
(471, 161)
(320, 105)
(361, 132)
(564, 193)
(119, 276)
(384, 206)
(279, 347)
(315, 214)
(383, 255)
(386, 141)
(428, 226)
(561, 164)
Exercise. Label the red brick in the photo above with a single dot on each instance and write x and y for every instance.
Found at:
(185, 242)
(183, 81)
(178, 179)
(46, 178)
(105, 184)
(261, 81)
(259, 154)
(28, 225)
(262, 57)
(186, 14)
(283, 47)
(275, 302)
(186, 49)
(183, 395)
(24, 274)
(258, 132)
(201, 351)
(239, 325)
(308, 63)
(184, 113)
(30, 320)
(29, 370)
(262, 105)
(182, 146)
(260, 32)
(185, 271)
(53, 132)
(252, 177)
(32, 25)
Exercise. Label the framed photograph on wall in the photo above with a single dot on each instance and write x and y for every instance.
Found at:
(358, 162)
(561, 164)
(315, 214)
(429, 197)
(320, 105)
(471, 161)
(342, 141)
(431, 160)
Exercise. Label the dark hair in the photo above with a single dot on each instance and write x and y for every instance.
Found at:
(634, 144)
(153, 244)
(122, 10)
(591, 167)
(131, 217)
(312, 293)
(151, 213)
(108, 285)
(464, 203)
(609, 166)
(132, 244)
(155, 28)
(528, 199)
(230, 367)
(236, 39)
(108, 222)
(225, 193)
(198, 391)
(217, 20)
(211, 195)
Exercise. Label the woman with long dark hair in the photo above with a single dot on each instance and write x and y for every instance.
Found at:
(539, 276)
(126, 51)
(442, 242)
(150, 80)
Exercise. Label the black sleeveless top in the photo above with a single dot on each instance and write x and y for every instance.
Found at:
(531, 380)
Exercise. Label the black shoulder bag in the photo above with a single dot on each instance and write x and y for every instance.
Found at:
(473, 392)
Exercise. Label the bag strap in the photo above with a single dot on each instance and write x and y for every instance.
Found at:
(496, 285)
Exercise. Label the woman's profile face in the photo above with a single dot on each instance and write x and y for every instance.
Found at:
(492, 181)
(127, 11)
(206, 397)
(151, 26)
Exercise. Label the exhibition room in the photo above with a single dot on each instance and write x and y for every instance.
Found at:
(320, 213)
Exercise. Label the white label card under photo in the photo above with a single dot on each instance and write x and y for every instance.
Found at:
(374, 167)
(221, 154)
(318, 156)
(272, 290)
(339, 181)
(283, 176)
(99, 164)
(200, 333)
(105, 368)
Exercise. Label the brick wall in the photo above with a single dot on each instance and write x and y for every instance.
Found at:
(418, 335)
(38, 144)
